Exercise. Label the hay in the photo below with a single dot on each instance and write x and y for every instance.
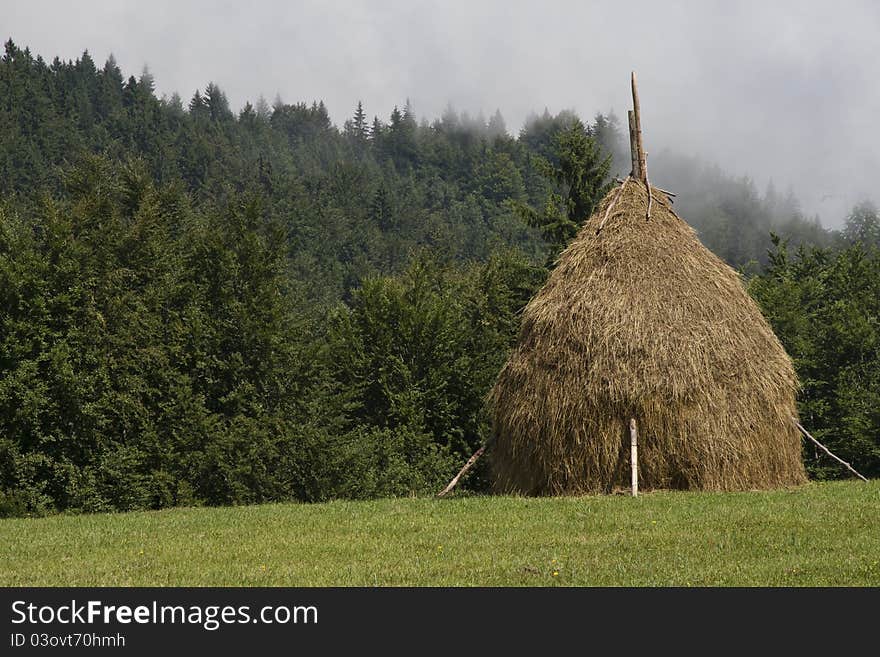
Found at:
(641, 320)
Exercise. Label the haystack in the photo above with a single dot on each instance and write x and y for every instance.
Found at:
(640, 320)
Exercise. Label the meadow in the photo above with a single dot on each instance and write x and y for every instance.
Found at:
(820, 534)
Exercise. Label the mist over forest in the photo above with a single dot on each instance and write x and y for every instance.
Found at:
(780, 93)
(731, 214)
(209, 304)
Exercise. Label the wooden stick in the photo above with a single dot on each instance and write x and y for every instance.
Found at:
(826, 450)
(659, 189)
(648, 185)
(467, 466)
(633, 149)
(611, 205)
(637, 119)
(634, 456)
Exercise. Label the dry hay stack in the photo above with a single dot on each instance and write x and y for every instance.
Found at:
(641, 320)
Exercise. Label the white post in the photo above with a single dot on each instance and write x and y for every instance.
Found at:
(634, 455)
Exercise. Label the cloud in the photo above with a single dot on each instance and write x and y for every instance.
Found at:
(784, 90)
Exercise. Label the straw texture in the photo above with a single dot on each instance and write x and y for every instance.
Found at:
(641, 320)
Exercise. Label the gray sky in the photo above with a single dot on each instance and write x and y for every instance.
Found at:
(782, 90)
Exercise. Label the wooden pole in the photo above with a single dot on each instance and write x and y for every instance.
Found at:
(634, 456)
(467, 466)
(633, 149)
(637, 121)
(826, 450)
(611, 205)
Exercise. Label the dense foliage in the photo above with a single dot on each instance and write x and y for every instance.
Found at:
(825, 307)
(199, 306)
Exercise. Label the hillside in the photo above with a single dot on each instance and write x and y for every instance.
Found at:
(356, 198)
(207, 305)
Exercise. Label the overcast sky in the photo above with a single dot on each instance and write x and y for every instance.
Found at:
(789, 91)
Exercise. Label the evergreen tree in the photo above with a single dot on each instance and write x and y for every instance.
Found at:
(360, 122)
(146, 81)
(175, 103)
(863, 225)
(581, 178)
(356, 128)
(264, 112)
(216, 103)
(496, 126)
(197, 106)
(606, 131)
(823, 306)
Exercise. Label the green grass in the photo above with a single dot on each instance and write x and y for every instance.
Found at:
(819, 534)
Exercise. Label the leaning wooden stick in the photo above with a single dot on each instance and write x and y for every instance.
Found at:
(467, 466)
(659, 189)
(648, 185)
(826, 450)
(671, 195)
(611, 205)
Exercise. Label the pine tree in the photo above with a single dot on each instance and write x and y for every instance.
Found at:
(396, 119)
(409, 114)
(381, 211)
(606, 131)
(197, 106)
(356, 128)
(496, 126)
(216, 103)
(85, 65)
(401, 137)
(147, 82)
(377, 129)
(863, 225)
(264, 112)
(580, 174)
(176, 102)
(360, 122)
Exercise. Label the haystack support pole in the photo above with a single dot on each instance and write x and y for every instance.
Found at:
(467, 466)
(634, 456)
(633, 149)
(826, 450)
(636, 131)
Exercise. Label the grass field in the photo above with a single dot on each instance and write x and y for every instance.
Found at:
(819, 534)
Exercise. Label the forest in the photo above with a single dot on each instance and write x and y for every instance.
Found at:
(208, 306)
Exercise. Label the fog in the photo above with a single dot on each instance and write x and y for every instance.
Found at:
(785, 92)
